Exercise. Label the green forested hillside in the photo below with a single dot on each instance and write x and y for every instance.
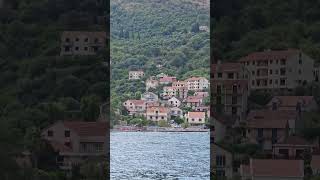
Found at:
(38, 86)
(147, 33)
(243, 26)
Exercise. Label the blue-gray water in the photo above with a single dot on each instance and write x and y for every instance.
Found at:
(160, 155)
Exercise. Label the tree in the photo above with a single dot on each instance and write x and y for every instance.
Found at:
(90, 107)
(185, 125)
(163, 123)
(179, 120)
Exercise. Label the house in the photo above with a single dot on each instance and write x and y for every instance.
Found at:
(222, 161)
(230, 89)
(151, 83)
(201, 94)
(135, 75)
(174, 102)
(167, 80)
(278, 69)
(177, 112)
(315, 164)
(193, 101)
(202, 108)
(204, 28)
(179, 84)
(169, 91)
(149, 97)
(196, 118)
(197, 83)
(293, 103)
(157, 113)
(221, 124)
(82, 42)
(181, 92)
(135, 107)
(161, 75)
(291, 148)
(266, 127)
(272, 169)
(76, 141)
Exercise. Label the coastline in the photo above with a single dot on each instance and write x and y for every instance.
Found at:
(157, 129)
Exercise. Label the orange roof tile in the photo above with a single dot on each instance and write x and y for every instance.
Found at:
(270, 119)
(196, 115)
(88, 128)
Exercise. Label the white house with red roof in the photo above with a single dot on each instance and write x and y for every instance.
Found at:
(135, 106)
(196, 118)
(75, 141)
(174, 102)
(157, 113)
(193, 101)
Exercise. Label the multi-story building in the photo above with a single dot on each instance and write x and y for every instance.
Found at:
(151, 83)
(193, 101)
(157, 113)
(77, 141)
(179, 84)
(222, 162)
(82, 42)
(135, 107)
(149, 97)
(267, 127)
(172, 91)
(174, 102)
(134, 75)
(197, 83)
(177, 112)
(229, 89)
(278, 69)
(167, 80)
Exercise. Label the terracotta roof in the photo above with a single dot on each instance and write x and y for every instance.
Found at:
(167, 79)
(202, 94)
(88, 128)
(270, 119)
(161, 109)
(226, 67)
(196, 115)
(193, 99)
(137, 102)
(268, 55)
(315, 161)
(276, 168)
(292, 100)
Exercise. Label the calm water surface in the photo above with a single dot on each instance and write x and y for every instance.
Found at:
(160, 155)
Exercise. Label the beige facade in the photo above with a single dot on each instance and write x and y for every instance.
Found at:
(135, 106)
(197, 83)
(285, 69)
(157, 113)
(174, 102)
(134, 75)
(196, 118)
(82, 42)
(77, 141)
(152, 83)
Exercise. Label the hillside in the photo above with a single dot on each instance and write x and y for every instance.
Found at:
(240, 27)
(147, 33)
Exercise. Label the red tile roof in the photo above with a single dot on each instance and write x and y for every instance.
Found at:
(276, 168)
(270, 119)
(161, 109)
(167, 79)
(88, 128)
(137, 102)
(268, 55)
(292, 100)
(226, 67)
(201, 115)
(194, 99)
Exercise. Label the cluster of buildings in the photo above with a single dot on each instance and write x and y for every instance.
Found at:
(172, 98)
(273, 128)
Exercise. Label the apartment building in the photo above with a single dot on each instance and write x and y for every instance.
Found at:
(76, 141)
(135, 75)
(193, 101)
(222, 162)
(278, 69)
(82, 42)
(197, 83)
(135, 107)
(229, 89)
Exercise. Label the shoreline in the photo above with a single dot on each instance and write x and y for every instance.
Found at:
(131, 129)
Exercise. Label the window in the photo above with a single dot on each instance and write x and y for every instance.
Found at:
(270, 81)
(283, 71)
(270, 71)
(276, 81)
(252, 82)
(284, 152)
(76, 48)
(253, 63)
(96, 40)
(271, 61)
(247, 63)
(274, 106)
(218, 89)
(86, 39)
(50, 133)
(300, 60)
(95, 48)
(234, 110)
(235, 89)
(219, 100)
(283, 62)
(77, 39)
(68, 144)
(67, 133)
(200, 120)
(260, 132)
(230, 75)
(192, 119)
(221, 173)
(220, 160)
(85, 48)
(67, 40)
(274, 135)
(234, 100)
(253, 72)
(219, 75)
(282, 82)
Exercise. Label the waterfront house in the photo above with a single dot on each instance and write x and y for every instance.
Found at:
(176, 112)
(222, 161)
(135, 75)
(291, 148)
(267, 127)
(272, 169)
(279, 69)
(76, 141)
(174, 102)
(135, 107)
(196, 118)
(157, 113)
(197, 83)
(167, 80)
(82, 42)
(149, 97)
(293, 103)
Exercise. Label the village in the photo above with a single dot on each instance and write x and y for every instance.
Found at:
(169, 104)
(272, 140)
